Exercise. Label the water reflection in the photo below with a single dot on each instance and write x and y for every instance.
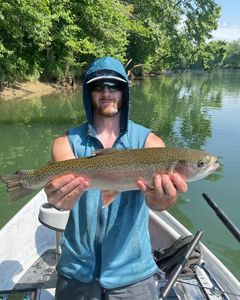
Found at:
(176, 108)
(55, 109)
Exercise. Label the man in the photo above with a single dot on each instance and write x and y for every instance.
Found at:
(106, 253)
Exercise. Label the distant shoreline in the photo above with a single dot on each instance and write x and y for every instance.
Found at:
(31, 89)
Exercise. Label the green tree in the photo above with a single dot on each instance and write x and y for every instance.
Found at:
(56, 39)
(211, 55)
(174, 31)
(24, 32)
(232, 59)
(82, 30)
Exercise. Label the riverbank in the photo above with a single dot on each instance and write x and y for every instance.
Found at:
(29, 89)
(37, 88)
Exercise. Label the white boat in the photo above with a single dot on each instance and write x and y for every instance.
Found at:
(29, 252)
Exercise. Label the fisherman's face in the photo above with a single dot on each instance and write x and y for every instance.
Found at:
(106, 98)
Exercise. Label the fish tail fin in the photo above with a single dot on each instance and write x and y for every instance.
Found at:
(15, 189)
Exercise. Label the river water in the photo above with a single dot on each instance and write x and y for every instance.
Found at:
(189, 110)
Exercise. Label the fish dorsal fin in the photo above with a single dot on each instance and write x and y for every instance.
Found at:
(51, 162)
(104, 151)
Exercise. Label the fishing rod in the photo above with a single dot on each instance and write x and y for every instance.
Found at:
(223, 217)
(175, 273)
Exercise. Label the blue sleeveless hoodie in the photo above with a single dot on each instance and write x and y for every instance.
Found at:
(111, 245)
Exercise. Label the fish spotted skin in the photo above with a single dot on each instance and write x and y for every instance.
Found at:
(118, 170)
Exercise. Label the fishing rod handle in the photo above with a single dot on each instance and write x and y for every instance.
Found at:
(223, 217)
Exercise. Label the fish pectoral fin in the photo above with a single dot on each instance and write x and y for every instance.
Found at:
(108, 196)
(51, 162)
(172, 166)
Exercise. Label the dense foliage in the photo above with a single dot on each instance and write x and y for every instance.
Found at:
(232, 59)
(56, 39)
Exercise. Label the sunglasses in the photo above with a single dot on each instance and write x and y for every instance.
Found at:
(100, 86)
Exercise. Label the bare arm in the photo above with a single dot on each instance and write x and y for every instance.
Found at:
(64, 192)
(61, 149)
(154, 141)
(166, 187)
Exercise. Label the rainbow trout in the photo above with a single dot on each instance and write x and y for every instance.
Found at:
(112, 171)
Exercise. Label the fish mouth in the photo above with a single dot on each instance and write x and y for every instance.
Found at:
(214, 167)
(209, 170)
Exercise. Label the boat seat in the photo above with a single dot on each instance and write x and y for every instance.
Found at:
(53, 218)
(56, 220)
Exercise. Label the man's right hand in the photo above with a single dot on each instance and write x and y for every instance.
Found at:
(64, 192)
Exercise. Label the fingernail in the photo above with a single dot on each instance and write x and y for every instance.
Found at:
(79, 180)
(82, 180)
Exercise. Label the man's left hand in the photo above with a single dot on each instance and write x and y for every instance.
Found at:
(164, 192)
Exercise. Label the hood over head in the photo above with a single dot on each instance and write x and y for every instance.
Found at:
(110, 69)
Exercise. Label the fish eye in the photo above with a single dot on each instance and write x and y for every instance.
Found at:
(201, 163)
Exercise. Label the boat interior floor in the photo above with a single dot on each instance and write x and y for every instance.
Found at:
(41, 275)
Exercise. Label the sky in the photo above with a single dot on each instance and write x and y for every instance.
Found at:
(229, 22)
